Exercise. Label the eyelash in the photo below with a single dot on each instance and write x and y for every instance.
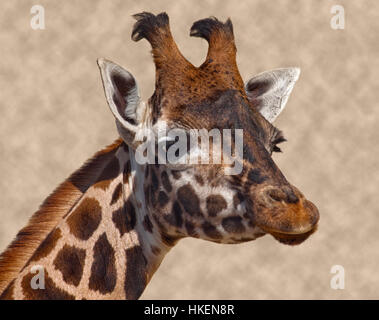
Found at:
(278, 139)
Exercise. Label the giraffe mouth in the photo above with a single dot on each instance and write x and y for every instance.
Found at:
(291, 238)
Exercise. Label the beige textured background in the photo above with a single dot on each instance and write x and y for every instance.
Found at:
(54, 116)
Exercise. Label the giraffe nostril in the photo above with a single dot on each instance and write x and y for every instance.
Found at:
(292, 198)
(276, 194)
(291, 195)
(285, 194)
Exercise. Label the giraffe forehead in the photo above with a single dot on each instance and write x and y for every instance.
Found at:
(196, 86)
(219, 109)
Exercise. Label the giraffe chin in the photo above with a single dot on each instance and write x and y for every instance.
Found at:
(290, 238)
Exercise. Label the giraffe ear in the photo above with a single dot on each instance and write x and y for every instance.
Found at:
(269, 91)
(121, 92)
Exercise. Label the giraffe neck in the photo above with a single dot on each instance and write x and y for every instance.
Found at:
(150, 236)
(106, 246)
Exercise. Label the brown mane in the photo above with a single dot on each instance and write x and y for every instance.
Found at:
(50, 212)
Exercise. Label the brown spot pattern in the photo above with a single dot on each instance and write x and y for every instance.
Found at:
(215, 204)
(70, 262)
(85, 219)
(116, 193)
(191, 229)
(189, 200)
(162, 198)
(125, 218)
(51, 211)
(211, 231)
(255, 177)
(176, 174)
(233, 224)
(135, 277)
(47, 245)
(175, 218)
(109, 173)
(103, 271)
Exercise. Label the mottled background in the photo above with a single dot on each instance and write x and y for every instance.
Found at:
(54, 116)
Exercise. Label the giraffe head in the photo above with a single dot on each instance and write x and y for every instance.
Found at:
(203, 200)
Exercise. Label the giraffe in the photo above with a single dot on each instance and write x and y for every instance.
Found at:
(105, 230)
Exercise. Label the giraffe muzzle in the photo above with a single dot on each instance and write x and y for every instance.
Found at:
(285, 213)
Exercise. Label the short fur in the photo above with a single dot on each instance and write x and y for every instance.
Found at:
(13, 259)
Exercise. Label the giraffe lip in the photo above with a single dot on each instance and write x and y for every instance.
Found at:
(290, 233)
(292, 238)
